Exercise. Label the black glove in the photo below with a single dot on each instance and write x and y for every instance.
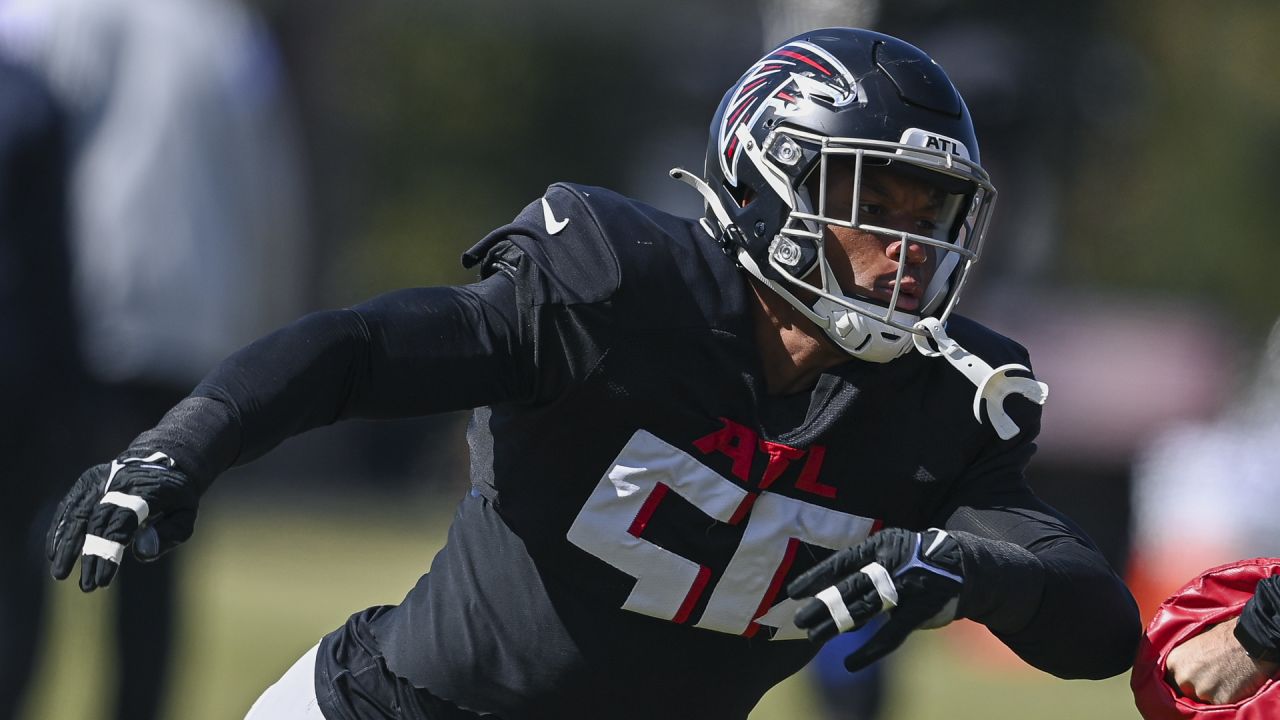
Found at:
(914, 576)
(140, 499)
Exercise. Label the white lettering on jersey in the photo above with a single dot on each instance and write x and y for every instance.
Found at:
(754, 576)
(612, 521)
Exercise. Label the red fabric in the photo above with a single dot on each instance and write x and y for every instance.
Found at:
(695, 592)
(650, 506)
(1217, 595)
(775, 586)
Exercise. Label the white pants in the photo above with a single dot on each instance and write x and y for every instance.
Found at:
(293, 696)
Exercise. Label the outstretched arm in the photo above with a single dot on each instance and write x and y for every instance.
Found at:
(407, 353)
(1042, 588)
(998, 556)
(1013, 565)
(403, 354)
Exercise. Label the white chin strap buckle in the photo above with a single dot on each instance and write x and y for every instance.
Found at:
(993, 385)
(842, 323)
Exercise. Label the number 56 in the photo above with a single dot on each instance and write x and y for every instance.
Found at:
(611, 524)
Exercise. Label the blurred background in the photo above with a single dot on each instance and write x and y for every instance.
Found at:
(180, 176)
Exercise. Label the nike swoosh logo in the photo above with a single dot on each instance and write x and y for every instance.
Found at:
(554, 226)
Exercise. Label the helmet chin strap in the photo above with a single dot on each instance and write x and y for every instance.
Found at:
(993, 385)
(854, 326)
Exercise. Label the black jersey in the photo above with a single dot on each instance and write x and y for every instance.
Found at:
(638, 499)
(642, 503)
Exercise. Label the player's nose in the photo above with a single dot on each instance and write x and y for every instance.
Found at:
(915, 251)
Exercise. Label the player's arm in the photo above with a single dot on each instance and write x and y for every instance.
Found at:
(403, 354)
(1232, 660)
(1004, 559)
(997, 555)
(1213, 667)
(1042, 588)
(407, 353)
(1030, 574)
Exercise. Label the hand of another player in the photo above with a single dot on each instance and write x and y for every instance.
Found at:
(913, 576)
(139, 499)
(1212, 667)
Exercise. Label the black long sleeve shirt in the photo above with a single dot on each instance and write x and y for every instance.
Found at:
(639, 499)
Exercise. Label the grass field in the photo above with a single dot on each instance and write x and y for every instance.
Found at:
(260, 586)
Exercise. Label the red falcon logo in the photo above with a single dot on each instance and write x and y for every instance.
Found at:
(786, 80)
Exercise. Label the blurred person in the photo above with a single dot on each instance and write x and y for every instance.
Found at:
(39, 372)
(1202, 489)
(184, 230)
(1234, 460)
(857, 695)
(674, 421)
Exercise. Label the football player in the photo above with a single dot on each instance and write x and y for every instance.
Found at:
(699, 448)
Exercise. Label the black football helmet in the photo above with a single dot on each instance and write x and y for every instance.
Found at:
(863, 98)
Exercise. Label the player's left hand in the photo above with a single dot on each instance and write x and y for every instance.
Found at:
(139, 499)
(913, 576)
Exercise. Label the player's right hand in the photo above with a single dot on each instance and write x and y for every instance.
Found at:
(141, 499)
(915, 577)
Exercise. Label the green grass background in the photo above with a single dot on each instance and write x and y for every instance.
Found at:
(261, 582)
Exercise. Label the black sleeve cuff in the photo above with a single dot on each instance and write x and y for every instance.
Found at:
(1258, 630)
(201, 434)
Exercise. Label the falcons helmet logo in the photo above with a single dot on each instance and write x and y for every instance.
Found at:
(787, 80)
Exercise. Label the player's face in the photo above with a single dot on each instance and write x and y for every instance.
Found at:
(865, 263)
